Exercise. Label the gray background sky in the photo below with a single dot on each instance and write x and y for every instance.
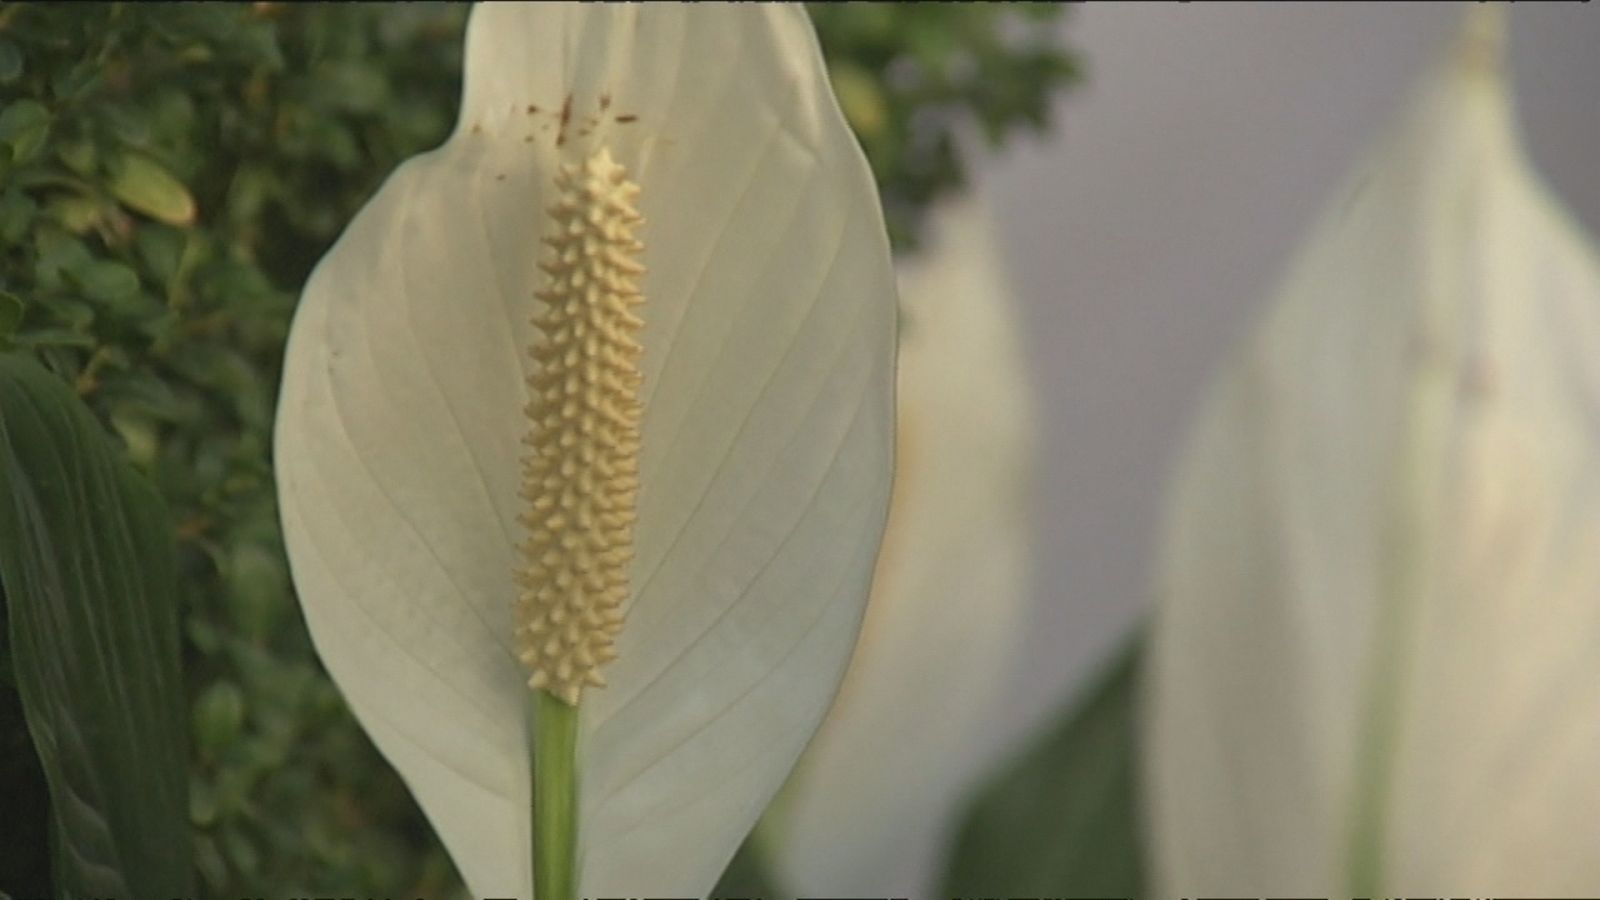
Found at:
(1146, 231)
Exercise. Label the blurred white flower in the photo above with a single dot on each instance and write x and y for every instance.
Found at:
(1374, 662)
(873, 802)
(763, 469)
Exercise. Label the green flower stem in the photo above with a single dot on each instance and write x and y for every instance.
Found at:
(555, 793)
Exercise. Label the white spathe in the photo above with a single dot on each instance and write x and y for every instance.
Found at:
(872, 804)
(1374, 659)
(767, 437)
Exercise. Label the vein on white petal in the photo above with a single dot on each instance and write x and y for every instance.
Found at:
(500, 517)
(729, 792)
(751, 584)
(684, 525)
(676, 446)
(487, 812)
(379, 623)
(715, 249)
(400, 514)
(799, 527)
(515, 325)
(658, 372)
(798, 427)
(314, 472)
(669, 804)
(838, 590)
(755, 586)
(384, 384)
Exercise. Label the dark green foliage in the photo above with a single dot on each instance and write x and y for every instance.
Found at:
(914, 80)
(25, 859)
(169, 174)
(87, 563)
(1063, 820)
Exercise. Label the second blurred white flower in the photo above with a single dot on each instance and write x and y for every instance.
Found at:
(871, 805)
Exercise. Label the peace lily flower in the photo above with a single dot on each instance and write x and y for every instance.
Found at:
(871, 805)
(590, 411)
(1374, 665)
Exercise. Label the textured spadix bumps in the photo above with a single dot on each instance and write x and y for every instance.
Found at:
(581, 475)
(1374, 663)
(765, 372)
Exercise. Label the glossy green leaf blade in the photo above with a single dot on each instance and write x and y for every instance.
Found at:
(87, 563)
(24, 856)
(1063, 821)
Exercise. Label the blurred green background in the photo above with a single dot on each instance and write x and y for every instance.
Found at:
(169, 174)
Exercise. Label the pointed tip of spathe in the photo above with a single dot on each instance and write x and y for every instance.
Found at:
(1481, 39)
(1470, 83)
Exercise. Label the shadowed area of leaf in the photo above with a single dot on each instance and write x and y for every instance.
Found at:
(87, 564)
(746, 877)
(24, 858)
(1063, 821)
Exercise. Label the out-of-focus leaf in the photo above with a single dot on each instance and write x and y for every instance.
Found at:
(24, 126)
(1063, 821)
(10, 313)
(10, 62)
(105, 280)
(87, 564)
(218, 715)
(746, 877)
(144, 185)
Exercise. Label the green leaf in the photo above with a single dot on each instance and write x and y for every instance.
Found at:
(11, 308)
(24, 126)
(746, 877)
(10, 62)
(76, 214)
(1063, 821)
(258, 583)
(144, 185)
(55, 337)
(218, 716)
(16, 214)
(87, 563)
(106, 281)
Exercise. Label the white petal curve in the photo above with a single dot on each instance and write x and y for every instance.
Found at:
(1379, 592)
(767, 435)
(869, 809)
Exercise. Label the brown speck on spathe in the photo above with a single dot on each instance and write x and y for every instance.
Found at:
(566, 117)
(605, 101)
(477, 128)
(532, 109)
(500, 177)
(627, 118)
